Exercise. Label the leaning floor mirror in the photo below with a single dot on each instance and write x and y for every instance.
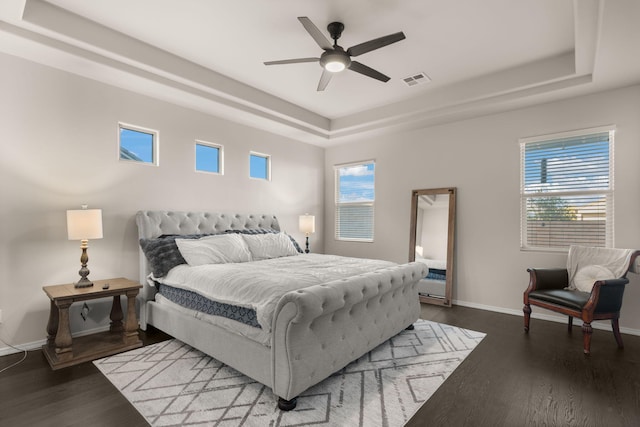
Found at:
(431, 241)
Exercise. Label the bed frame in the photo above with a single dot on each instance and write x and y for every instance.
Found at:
(316, 331)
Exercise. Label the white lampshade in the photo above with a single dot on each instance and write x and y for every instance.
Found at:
(307, 224)
(84, 224)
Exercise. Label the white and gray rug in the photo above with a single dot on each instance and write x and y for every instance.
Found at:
(172, 384)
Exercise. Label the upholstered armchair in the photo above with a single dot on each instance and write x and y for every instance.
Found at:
(590, 288)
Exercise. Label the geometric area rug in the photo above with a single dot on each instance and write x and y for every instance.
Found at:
(173, 384)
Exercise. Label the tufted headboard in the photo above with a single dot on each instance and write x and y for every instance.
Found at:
(156, 223)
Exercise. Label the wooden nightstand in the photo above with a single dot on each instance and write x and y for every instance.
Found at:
(62, 351)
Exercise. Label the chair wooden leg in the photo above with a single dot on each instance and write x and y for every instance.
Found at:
(616, 332)
(527, 316)
(587, 330)
(570, 323)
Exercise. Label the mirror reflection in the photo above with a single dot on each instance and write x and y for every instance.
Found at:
(431, 242)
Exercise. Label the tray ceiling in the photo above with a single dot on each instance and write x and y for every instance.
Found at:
(481, 57)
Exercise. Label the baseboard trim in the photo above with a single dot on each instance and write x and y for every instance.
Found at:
(604, 325)
(36, 345)
(5, 351)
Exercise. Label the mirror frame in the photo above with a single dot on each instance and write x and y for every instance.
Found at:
(415, 194)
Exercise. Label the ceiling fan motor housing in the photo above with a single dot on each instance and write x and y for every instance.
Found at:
(336, 55)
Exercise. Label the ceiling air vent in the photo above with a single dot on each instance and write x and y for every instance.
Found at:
(416, 79)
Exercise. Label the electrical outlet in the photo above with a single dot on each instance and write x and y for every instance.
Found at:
(85, 311)
(0, 316)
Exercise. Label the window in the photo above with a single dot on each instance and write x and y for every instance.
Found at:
(355, 196)
(566, 190)
(137, 144)
(208, 157)
(260, 166)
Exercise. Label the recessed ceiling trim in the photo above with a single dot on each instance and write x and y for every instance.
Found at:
(85, 47)
(463, 109)
(587, 25)
(90, 35)
(487, 87)
(54, 53)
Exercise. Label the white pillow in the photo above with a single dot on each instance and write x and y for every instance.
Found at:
(271, 245)
(218, 249)
(586, 276)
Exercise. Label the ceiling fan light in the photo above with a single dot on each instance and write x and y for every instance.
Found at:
(334, 66)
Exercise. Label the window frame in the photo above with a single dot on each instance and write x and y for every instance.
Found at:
(338, 204)
(608, 193)
(155, 141)
(267, 157)
(220, 149)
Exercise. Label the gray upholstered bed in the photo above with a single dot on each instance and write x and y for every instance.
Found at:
(315, 331)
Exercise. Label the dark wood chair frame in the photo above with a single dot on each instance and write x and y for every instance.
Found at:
(604, 301)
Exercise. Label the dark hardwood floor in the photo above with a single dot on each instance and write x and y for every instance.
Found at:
(510, 379)
(538, 379)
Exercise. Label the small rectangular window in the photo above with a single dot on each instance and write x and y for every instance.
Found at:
(208, 157)
(260, 166)
(137, 144)
(355, 197)
(566, 190)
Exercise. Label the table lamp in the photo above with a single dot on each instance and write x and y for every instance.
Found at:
(84, 224)
(307, 226)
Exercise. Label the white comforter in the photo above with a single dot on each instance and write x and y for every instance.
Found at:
(260, 284)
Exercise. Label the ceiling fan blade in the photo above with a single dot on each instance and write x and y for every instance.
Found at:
(292, 61)
(315, 33)
(374, 44)
(325, 78)
(367, 71)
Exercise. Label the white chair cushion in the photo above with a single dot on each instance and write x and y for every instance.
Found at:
(586, 276)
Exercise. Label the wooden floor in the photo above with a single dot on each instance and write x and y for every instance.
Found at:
(510, 379)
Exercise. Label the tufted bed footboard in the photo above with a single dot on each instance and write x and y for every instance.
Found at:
(320, 329)
(315, 331)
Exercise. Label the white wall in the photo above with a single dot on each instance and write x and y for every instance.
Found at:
(480, 157)
(58, 136)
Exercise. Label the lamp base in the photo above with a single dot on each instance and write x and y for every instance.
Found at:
(83, 283)
(84, 271)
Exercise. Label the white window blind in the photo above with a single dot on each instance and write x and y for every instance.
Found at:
(355, 197)
(566, 190)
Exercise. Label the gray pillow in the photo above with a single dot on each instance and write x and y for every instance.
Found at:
(163, 253)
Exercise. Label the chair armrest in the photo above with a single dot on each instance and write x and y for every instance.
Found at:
(547, 278)
(612, 282)
(606, 295)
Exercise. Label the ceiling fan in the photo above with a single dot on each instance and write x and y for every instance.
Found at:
(335, 58)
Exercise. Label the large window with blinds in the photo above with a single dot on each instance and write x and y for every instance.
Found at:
(355, 197)
(566, 190)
